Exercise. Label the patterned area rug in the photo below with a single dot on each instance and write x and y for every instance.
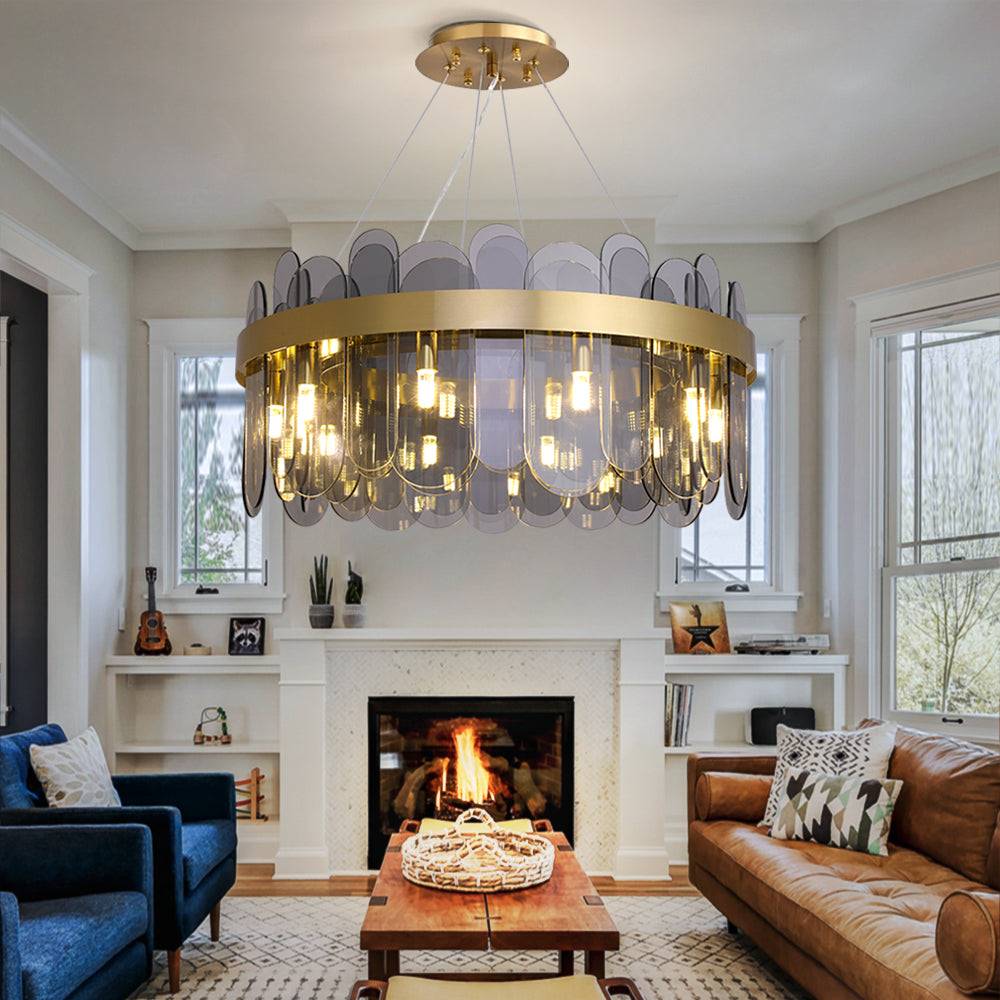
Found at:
(306, 948)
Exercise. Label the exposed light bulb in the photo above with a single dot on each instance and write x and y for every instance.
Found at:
(716, 425)
(513, 484)
(275, 420)
(553, 399)
(429, 450)
(426, 387)
(329, 441)
(448, 482)
(580, 398)
(607, 483)
(329, 347)
(306, 408)
(657, 443)
(447, 401)
(547, 450)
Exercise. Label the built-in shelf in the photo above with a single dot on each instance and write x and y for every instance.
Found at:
(190, 748)
(737, 663)
(240, 666)
(732, 748)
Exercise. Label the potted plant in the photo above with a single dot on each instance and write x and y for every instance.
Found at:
(320, 589)
(354, 609)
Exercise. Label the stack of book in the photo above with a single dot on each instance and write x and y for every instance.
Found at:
(678, 714)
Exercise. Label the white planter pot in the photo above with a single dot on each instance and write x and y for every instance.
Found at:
(353, 615)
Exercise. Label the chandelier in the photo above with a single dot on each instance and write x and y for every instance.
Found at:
(489, 383)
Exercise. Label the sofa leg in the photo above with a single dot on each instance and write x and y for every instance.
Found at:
(213, 921)
(731, 927)
(174, 969)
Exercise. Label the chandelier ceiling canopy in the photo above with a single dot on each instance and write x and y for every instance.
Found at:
(492, 384)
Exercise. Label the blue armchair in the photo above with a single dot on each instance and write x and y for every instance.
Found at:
(192, 819)
(76, 912)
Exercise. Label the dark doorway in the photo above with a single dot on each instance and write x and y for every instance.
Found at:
(25, 376)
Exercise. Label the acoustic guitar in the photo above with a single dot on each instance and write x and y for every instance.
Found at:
(153, 639)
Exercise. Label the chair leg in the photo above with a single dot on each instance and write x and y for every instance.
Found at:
(174, 969)
(731, 927)
(213, 921)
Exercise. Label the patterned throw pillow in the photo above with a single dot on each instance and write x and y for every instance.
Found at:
(74, 773)
(856, 753)
(843, 812)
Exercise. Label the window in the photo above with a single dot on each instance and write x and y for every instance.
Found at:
(210, 556)
(717, 549)
(760, 551)
(941, 552)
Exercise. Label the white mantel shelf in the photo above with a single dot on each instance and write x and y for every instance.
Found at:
(397, 637)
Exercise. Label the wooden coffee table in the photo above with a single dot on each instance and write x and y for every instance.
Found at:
(564, 915)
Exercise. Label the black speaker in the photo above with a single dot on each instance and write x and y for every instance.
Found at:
(762, 723)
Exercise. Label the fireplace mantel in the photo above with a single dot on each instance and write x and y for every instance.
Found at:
(313, 675)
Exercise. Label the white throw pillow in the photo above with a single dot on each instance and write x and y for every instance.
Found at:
(74, 773)
(854, 753)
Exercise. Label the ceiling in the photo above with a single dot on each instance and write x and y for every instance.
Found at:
(178, 120)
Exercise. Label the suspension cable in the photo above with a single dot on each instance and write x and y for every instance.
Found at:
(472, 155)
(513, 168)
(579, 144)
(459, 161)
(395, 160)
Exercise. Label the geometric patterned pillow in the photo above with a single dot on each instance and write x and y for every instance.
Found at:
(842, 812)
(74, 773)
(855, 753)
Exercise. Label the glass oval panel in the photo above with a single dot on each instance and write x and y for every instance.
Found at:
(491, 524)
(398, 517)
(499, 416)
(435, 433)
(490, 492)
(325, 433)
(386, 492)
(677, 418)
(326, 279)
(624, 266)
(285, 269)
(590, 519)
(626, 419)
(681, 513)
(737, 441)
(256, 302)
(498, 256)
(737, 308)
(306, 511)
(255, 459)
(709, 287)
(563, 267)
(371, 402)
(438, 510)
(354, 507)
(565, 393)
(347, 482)
(372, 264)
(674, 282)
(281, 421)
(434, 265)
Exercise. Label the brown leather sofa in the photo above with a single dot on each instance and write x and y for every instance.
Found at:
(845, 924)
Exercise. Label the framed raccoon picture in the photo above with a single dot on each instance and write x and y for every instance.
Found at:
(246, 636)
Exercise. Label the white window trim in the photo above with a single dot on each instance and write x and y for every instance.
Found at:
(780, 334)
(168, 339)
(943, 299)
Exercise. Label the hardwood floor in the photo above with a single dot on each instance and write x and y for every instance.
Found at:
(256, 880)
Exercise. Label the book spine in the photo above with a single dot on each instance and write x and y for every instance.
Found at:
(668, 715)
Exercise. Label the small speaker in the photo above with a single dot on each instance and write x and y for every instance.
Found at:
(762, 723)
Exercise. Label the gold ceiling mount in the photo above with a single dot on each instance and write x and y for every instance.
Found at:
(477, 51)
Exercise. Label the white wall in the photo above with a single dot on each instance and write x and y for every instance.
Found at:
(938, 235)
(76, 690)
(528, 576)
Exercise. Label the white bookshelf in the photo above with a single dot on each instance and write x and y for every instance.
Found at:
(153, 706)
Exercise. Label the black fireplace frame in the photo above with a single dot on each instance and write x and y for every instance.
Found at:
(470, 705)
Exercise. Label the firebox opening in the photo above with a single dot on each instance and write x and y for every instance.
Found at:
(436, 757)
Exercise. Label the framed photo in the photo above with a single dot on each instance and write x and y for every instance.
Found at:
(700, 628)
(246, 636)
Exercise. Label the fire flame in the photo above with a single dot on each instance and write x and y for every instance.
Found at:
(472, 775)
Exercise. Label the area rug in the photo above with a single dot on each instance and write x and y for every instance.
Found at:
(306, 948)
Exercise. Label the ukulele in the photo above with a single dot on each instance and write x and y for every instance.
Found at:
(153, 639)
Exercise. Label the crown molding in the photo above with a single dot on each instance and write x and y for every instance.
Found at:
(668, 232)
(922, 186)
(16, 139)
(218, 239)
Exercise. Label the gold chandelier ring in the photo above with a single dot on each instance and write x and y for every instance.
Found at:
(497, 310)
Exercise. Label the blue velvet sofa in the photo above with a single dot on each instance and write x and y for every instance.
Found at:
(192, 819)
(76, 911)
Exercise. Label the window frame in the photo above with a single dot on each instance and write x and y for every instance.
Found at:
(779, 334)
(887, 427)
(170, 339)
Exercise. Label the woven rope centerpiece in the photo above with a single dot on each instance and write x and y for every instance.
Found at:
(491, 860)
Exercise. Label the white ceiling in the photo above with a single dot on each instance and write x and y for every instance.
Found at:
(754, 119)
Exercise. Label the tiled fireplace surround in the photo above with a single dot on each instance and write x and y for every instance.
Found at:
(328, 676)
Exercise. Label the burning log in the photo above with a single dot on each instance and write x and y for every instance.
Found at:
(405, 802)
(524, 784)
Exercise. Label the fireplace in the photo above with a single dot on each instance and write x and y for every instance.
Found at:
(434, 757)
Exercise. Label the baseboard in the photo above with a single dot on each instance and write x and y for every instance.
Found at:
(641, 864)
(301, 863)
(676, 836)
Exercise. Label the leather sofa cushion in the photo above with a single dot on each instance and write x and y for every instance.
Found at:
(204, 845)
(721, 795)
(869, 920)
(65, 941)
(949, 803)
(968, 940)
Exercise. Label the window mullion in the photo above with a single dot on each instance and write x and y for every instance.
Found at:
(917, 444)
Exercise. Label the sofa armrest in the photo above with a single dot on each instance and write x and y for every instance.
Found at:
(50, 862)
(209, 795)
(10, 951)
(731, 763)
(967, 940)
(723, 795)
